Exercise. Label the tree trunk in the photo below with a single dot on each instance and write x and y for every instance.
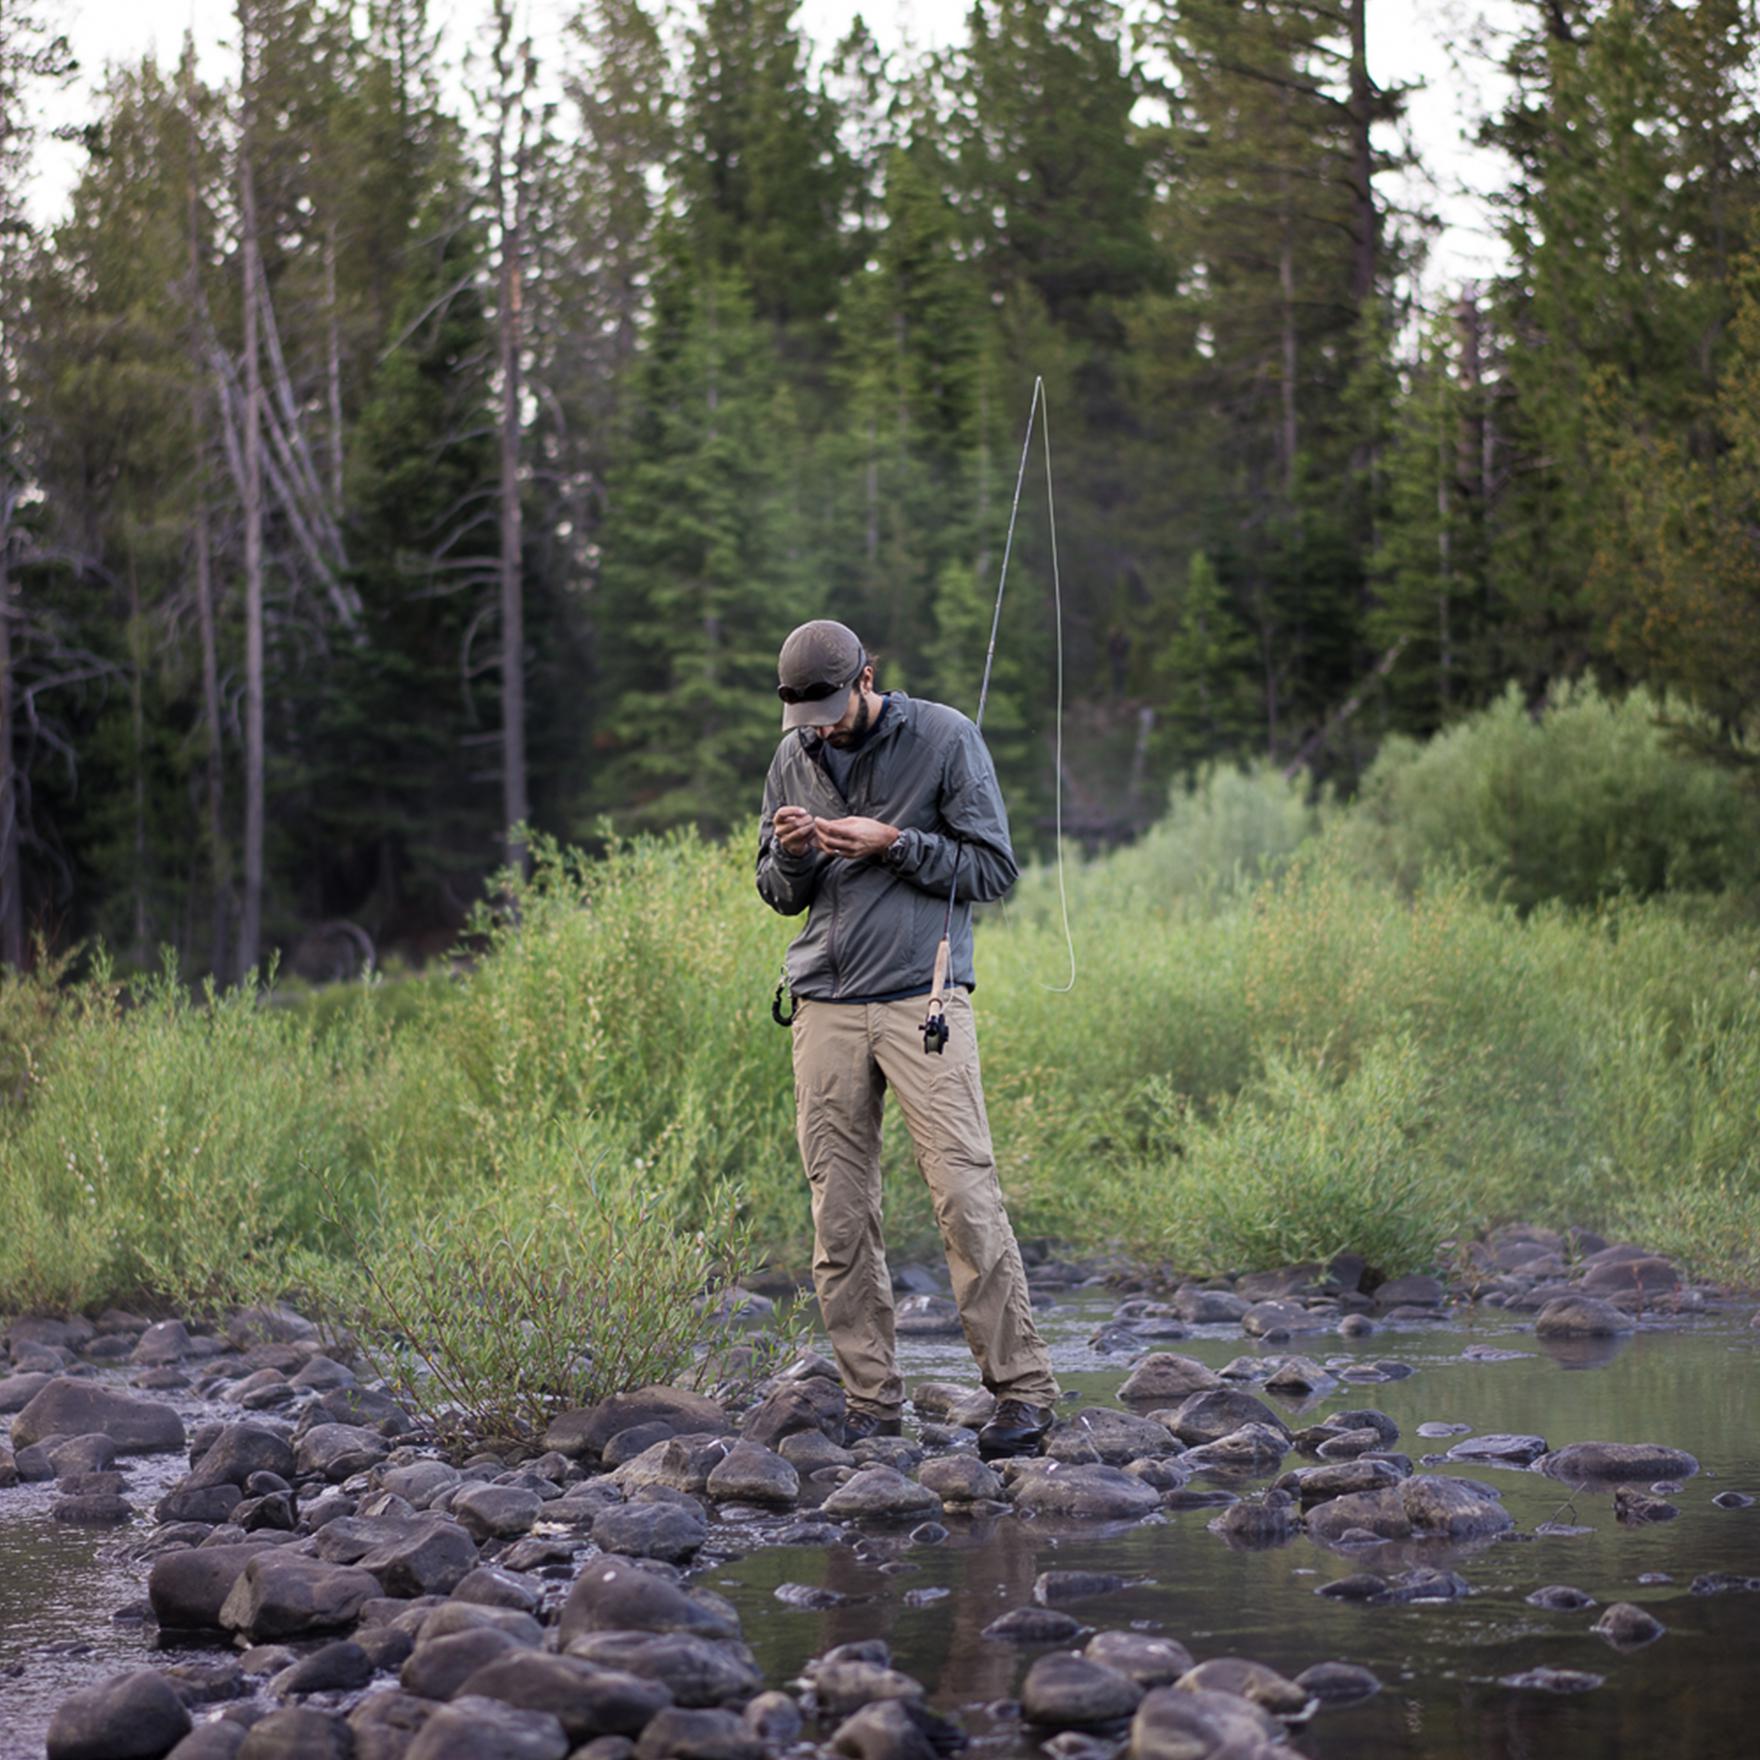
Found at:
(509, 210)
(11, 873)
(1362, 108)
(137, 715)
(333, 369)
(251, 915)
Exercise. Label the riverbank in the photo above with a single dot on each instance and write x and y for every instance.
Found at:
(1255, 1469)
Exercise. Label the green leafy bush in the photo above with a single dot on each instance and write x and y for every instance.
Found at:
(1585, 800)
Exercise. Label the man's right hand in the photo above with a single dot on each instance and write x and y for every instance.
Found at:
(794, 829)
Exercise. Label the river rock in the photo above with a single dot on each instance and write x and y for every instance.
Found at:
(339, 1667)
(1034, 1625)
(752, 1473)
(774, 1719)
(92, 1509)
(1113, 1437)
(1500, 1450)
(219, 1739)
(496, 1512)
(246, 1327)
(1561, 1598)
(1312, 1485)
(420, 1482)
(1253, 1448)
(492, 1586)
(612, 1594)
(80, 1455)
(845, 1684)
(1091, 1493)
(167, 1341)
(1250, 1526)
(1553, 1680)
(883, 1730)
(694, 1670)
(1581, 1316)
(280, 1594)
(472, 1616)
(298, 1732)
(1208, 1307)
(927, 1316)
(1581, 1462)
(960, 1478)
(438, 1666)
(1298, 1375)
(1338, 1683)
(1253, 1681)
(1051, 1587)
(238, 1451)
(1635, 1279)
(1209, 1416)
(810, 1404)
(335, 1451)
(1165, 1375)
(1275, 1319)
(677, 1734)
(650, 1530)
(1628, 1627)
(1149, 1661)
(17, 1391)
(1417, 1291)
(1063, 1691)
(485, 1729)
(188, 1588)
(1175, 1723)
(133, 1716)
(73, 1407)
(1425, 1506)
(879, 1493)
(582, 1433)
(683, 1463)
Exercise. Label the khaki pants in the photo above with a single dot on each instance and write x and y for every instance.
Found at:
(845, 1057)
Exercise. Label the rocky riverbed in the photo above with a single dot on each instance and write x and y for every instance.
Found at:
(1283, 1515)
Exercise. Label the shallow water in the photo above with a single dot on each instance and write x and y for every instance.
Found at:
(1695, 1692)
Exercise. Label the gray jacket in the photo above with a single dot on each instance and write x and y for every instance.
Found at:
(876, 923)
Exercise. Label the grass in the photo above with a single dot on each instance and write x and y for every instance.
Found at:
(1287, 1039)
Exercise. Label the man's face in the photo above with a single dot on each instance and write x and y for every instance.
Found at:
(851, 730)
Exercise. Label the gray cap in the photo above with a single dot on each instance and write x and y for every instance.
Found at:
(825, 658)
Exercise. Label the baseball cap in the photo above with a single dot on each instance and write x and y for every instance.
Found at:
(818, 666)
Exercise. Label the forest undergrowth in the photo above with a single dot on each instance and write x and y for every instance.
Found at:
(1293, 1032)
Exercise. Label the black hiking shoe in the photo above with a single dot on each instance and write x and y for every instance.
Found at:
(1017, 1428)
(860, 1425)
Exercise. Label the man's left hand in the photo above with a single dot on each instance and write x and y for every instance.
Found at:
(855, 838)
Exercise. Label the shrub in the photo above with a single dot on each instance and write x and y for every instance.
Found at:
(1586, 800)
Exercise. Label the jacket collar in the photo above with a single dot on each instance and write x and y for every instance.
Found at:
(899, 710)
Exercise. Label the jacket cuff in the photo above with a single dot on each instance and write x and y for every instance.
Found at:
(905, 853)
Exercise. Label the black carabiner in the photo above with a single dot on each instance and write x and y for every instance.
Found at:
(776, 1014)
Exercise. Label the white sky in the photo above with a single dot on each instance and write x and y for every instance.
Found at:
(1410, 41)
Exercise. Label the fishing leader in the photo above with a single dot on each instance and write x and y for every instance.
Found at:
(874, 805)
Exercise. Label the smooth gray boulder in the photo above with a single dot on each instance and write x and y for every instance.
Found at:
(298, 1732)
(882, 1730)
(650, 1530)
(960, 1478)
(1113, 1437)
(1582, 1462)
(187, 1589)
(337, 1451)
(133, 1716)
(582, 1433)
(1174, 1723)
(74, 1407)
(613, 1595)
(1629, 1627)
(696, 1671)
(881, 1494)
(438, 1667)
(485, 1729)
(1164, 1376)
(1581, 1316)
(1338, 1683)
(1064, 1691)
(496, 1512)
(586, 1700)
(1499, 1449)
(708, 1734)
(1034, 1625)
(1090, 1493)
(845, 1684)
(281, 1594)
(1248, 1679)
(240, 1450)
(752, 1473)
(1208, 1417)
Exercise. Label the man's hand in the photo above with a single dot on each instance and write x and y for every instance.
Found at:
(794, 829)
(855, 838)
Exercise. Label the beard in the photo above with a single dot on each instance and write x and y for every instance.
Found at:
(853, 735)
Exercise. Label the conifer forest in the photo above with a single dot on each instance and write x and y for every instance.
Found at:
(386, 465)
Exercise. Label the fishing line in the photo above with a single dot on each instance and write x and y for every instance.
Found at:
(934, 1028)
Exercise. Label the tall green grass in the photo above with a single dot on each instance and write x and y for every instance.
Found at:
(1283, 1041)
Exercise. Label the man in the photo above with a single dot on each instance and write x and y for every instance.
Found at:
(871, 805)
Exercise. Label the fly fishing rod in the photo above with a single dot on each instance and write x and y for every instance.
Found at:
(934, 1029)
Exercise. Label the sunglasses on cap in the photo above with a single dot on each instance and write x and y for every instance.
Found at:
(811, 693)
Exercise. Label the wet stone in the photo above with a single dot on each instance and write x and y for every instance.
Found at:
(1733, 1500)
(1581, 1316)
(1147, 1660)
(882, 1730)
(1500, 1450)
(1095, 1493)
(1552, 1680)
(960, 1478)
(1062, 1691)
(676, 1734)
(282, 1595)
(132, 1716)
(1178, 1723)
(881, 1493)
(1167, 1376)
(1034, 1625)
(843, 1685)
(1629, 1627)
(586, 1700)
(484, 1729)
(69, 1407)
(1631, 1461)
(650, 1530)
(1638, 1509)
(1561, 1598)
(496, 1512)
(1338, 1683)
(438, 1667)
(810, 1597)
(1208, 1417)
(1053, 1587)
(338, 1667)
(1250, 1680)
